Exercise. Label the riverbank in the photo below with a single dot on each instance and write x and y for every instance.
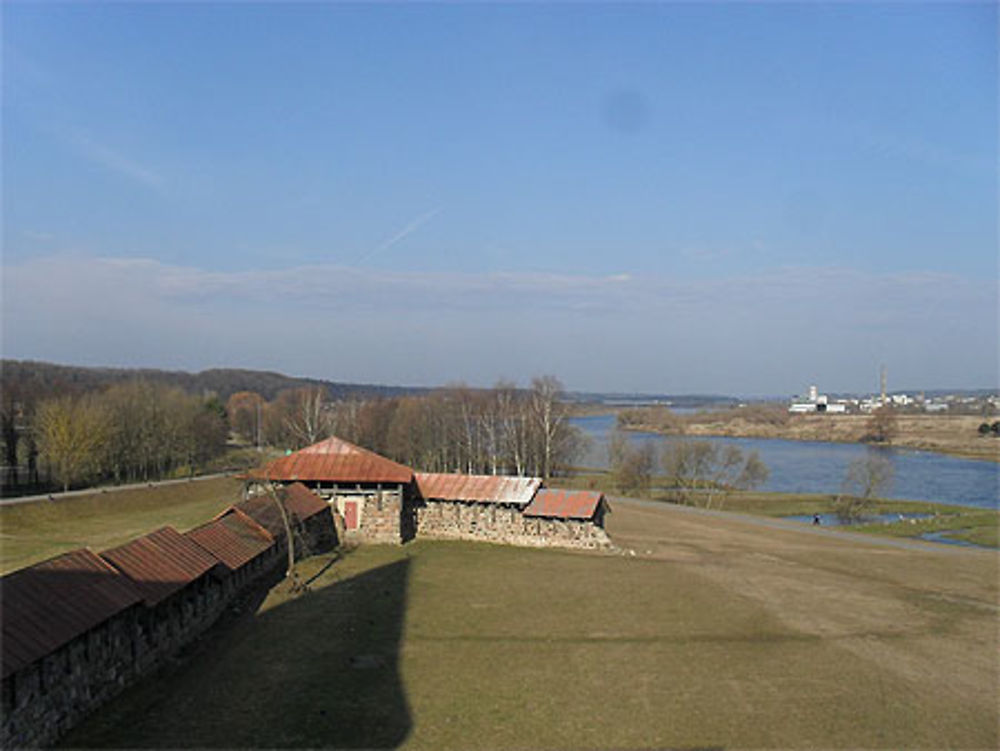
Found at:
(955, 435)
(956, 523)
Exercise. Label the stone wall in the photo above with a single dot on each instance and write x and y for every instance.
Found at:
(383, 513)
(50, 696)
(47, 698)
(317, 534)
(452, 520)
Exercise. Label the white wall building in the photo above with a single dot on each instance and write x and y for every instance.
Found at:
(816, 402)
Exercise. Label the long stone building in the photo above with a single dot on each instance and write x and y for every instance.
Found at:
(380, 500)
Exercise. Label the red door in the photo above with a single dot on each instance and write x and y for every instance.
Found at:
(351, 514)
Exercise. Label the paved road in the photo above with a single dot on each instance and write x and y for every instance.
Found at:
(773, 523)
(106, 489)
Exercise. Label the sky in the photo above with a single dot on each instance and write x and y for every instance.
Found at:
(742, 199)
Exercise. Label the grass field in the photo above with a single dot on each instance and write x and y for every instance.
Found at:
(717, 632)
(31, 532)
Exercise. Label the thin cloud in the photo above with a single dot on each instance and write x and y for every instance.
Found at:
(405, 232)
(760, 333)
(114, 161)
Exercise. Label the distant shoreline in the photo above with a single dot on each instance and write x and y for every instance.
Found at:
(952, 435)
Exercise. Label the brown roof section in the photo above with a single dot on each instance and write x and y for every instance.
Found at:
(302, 503)
(334, 460)
(262, 510)
(565, 504)
(51, 603)
(161, 563)
(479, 488)
(234, 538)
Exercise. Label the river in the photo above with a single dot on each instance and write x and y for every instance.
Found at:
(817, 467)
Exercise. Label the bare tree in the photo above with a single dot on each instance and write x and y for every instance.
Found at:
(711, 471)
(273, 493)
(508, 401)
(631, 465)
(246, 415)
(547, 416)
(867, 478)
(304, 414)
(71, 433)
(882, 426)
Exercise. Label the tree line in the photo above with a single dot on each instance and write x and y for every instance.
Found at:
(502, 430)
(51, 379)
(694, 472)
(128, 432)
(71, 434)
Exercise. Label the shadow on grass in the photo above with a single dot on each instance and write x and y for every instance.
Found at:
(317, 671)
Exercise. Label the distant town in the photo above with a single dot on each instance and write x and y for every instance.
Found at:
(963, 402)
(958, 403)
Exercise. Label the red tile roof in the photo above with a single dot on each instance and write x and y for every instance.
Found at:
(565, 504)
(302, 503)
(481, 488)
(161, 563)
(47, 605)
(234, 538)
(334, 460)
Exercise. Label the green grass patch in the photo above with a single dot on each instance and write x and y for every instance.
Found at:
(31, 532)
(979, 527)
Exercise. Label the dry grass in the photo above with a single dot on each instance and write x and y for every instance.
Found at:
(31, 532)
(950, 434)
(717, 633)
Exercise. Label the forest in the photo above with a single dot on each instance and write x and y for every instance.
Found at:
(65, 427)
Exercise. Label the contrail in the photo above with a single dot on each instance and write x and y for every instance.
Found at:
(409, 229)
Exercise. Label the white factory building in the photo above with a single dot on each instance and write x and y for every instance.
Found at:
(816, 402)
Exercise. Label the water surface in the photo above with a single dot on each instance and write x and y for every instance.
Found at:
(817, 467)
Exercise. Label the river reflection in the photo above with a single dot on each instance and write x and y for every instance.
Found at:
(816, 467)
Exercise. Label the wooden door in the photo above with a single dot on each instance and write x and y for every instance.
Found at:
(351, 515)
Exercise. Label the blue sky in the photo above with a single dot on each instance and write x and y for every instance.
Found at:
(672, 198)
